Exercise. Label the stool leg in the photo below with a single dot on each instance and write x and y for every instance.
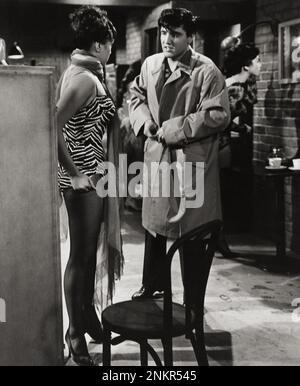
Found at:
(168, 351)
(202, 355)
(106, 347)
(144, 353)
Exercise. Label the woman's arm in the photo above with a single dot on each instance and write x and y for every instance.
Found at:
(73, 99)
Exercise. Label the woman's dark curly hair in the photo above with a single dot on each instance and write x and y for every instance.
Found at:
(237, 56)
(91, 24)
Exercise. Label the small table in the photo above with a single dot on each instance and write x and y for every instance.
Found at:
(278, 176)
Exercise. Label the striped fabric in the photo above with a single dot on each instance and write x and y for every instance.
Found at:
(83, 135)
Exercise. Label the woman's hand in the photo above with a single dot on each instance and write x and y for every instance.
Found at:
(81, 182)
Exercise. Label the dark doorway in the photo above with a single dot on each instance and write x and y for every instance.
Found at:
(152, 43)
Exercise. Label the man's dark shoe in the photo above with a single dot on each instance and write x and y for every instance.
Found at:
(146, 293)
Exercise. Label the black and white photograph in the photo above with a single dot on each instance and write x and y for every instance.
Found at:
(149, 186)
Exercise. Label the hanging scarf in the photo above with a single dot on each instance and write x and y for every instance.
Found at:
(110, 259)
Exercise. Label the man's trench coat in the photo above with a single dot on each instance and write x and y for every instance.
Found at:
(199, 111)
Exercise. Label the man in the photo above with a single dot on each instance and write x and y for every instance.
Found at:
(179, 101)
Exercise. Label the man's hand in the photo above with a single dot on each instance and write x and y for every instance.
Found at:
(150, 129)
(125, 124)
(160, 135)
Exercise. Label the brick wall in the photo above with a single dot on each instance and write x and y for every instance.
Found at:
(121, 56)
(152, 17)
(276, 117)
(137, 22)
(134, 36)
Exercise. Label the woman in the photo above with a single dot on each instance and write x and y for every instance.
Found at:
(84, 111)
(241, 67)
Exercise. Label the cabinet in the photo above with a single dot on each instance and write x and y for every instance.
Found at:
(30, 277)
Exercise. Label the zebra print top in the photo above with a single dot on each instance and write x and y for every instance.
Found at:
(83, 134)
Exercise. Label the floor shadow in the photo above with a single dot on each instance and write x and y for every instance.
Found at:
(219, 346)
(256, 251)
(245, 258)
(267, 263)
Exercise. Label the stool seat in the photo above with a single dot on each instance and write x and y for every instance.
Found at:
(142, 319)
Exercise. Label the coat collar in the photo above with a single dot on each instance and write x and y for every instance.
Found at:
(186, 63)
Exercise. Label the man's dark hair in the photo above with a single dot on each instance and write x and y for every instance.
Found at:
(178, 17)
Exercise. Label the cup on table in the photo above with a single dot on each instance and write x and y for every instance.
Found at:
(296, 163)
(275, 162)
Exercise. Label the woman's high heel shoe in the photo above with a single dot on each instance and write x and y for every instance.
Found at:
(78, 350)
